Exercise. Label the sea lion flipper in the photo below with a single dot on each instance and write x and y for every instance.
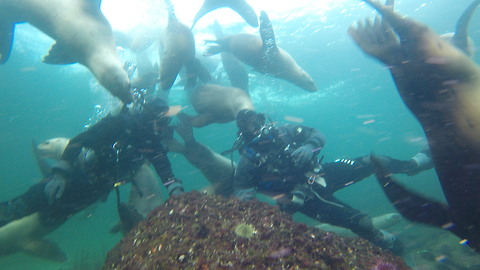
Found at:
(239, 6)
(213, 49)
(460, 38)
(192, 80)
(171, 10)
(390, 4)
(6, 40)
(97, 3)
(267, 34)
(402, 26)
(44, 248)
(195, 68)
(377, 39)
(197, 121)
(58, 55)
(184, 129)
(411, 205)
(203, 10)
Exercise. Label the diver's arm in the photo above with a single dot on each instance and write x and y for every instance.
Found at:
(307, 136)
(309, 141)
(163, 168)
(313, 137)
(244, 184)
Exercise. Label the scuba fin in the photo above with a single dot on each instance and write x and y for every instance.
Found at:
(409, 204)
(129, 216)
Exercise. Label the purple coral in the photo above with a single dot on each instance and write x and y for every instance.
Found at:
(280, 253)
(383, 265)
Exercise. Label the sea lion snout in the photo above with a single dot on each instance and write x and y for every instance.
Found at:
(52, 148)
(119, 84)
(306, 82)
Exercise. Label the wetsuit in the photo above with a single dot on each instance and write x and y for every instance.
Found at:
(120, 145)
(309, 189)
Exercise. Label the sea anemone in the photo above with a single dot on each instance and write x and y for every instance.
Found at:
(245, 230)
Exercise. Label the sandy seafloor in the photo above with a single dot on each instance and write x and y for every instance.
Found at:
(357, 108)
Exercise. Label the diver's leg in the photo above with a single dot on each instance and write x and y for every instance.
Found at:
(330, 210)
(344, 171)
(422, 161)
(391, 164)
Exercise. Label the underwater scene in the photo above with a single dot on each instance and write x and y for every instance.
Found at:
(239, 134)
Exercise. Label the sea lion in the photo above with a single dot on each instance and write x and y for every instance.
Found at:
(233, 67)
(27, 235)
(263, 54)
(146, 193)
(217, 169)
(382, 222)
(81, 32)
(440, 85)
(178, 50)
(239, 6)
(146, 75)
(460, 37)
(217, 104)
(47, 152)
(52, 148)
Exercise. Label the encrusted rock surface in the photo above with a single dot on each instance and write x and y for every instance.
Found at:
(197, 231)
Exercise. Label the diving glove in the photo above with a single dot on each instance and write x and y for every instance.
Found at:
(174, 187)
(291, 202)
(55, 187)
(303, 154)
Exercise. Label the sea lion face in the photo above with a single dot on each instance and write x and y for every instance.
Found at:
(53, 148)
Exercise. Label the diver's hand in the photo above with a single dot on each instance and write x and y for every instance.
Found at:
(292, 202)
(55, 187)
(303, 154)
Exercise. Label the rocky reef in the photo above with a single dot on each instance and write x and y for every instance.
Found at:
(199, 231)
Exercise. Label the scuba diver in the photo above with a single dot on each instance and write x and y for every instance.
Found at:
(281, 161)
(96, 161)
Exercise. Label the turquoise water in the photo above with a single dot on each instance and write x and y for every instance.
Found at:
(357, 108)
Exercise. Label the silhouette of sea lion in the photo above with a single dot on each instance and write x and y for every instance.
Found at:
(440, 85)
(216, 104)
(460, 37)
(27, 235)
(233, 67)
(178, 51)
(264, 55)
(81, 32)
(217, 169)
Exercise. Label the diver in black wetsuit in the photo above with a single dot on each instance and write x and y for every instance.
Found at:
(109, 152)
(282, 160)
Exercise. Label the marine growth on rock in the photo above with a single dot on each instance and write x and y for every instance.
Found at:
(245, 230)
(199, 231)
